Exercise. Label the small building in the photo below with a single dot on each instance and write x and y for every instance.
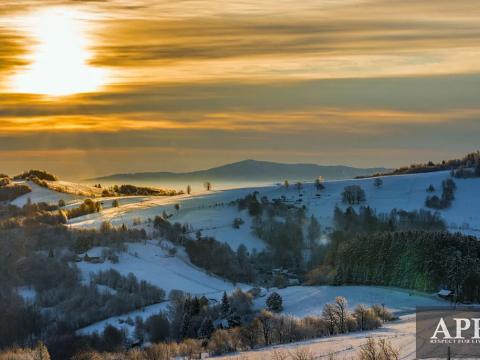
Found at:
(445, 294)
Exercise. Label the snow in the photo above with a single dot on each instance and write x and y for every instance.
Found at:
(75, 188)
(211, 210)
(217, 222)
(27, 293)
(41, 194)
(302, 301)
(119, 321)
(151, 263)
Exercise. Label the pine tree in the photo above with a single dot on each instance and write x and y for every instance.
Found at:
(225, 304)
(274, 302)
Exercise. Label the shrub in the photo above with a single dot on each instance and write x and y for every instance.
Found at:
(158, 328)
(380, 349)
(274, 302)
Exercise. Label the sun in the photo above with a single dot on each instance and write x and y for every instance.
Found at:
(59, 56)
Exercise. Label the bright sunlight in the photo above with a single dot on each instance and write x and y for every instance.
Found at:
(59, 56)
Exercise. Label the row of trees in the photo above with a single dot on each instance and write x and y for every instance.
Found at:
(469, 161)
(9, 192)
(353, 194)
(366, 220)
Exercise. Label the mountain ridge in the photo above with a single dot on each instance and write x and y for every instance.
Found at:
(251, 170)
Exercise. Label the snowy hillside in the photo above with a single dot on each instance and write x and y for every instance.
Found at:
(210, 211)
(41, 194)
(151, 263)
(213, 214)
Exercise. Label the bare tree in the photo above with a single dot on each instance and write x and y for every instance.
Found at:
(207, 185)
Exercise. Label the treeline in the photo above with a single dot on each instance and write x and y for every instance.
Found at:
(469, 161)
(191, 327)
(10, 192)
(39, 174)
(365, 220)
(220, 259)
(421, 260)
(133, 190)
(129, 284)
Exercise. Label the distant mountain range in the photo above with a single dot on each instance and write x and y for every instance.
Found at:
(250, 171)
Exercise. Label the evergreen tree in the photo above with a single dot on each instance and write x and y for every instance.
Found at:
(274, 302)
(225, 304)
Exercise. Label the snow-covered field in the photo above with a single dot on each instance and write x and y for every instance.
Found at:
(211, 211)
(151, 263)
(302, 301)
(41, 194)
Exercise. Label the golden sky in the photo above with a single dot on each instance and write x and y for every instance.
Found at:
(100, 86)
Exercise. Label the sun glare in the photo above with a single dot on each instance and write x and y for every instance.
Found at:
(59, 56)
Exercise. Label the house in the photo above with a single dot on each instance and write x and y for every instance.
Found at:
(93, 259)
(445, 294)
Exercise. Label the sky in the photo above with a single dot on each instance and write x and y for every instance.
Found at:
(96, 87)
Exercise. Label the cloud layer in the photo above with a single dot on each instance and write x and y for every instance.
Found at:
(196, 83)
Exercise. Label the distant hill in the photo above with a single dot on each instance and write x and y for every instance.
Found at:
(250, 171)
